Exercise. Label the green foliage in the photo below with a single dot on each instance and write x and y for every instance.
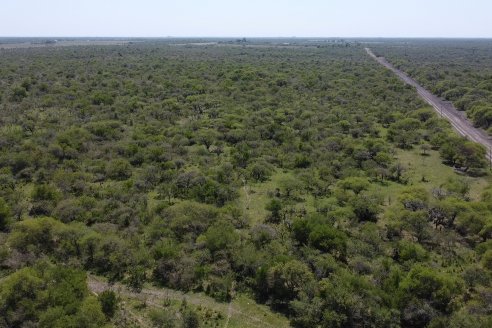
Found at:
(414, 198)
(355, 184)
(260, 171)
(423, 114)
(288, 186)
(44, 198)
(4, 214)
(72, 141)
(487, 260)
(275, 207)
(136, 278)
(45, 192)
(90, 314)
(408, 251)
(366, 207)
(482, 116)
(220, 236)
(119, 169)
(35, 235)
(109, 302)
(48, 296)
(18, 93)
(405, 132)
(190, 218)
(190, 319)
(349, 300)
(424, 283)
(229, 170)
(463, 319)
(101, 98)
(162, 318)
(328, 239)
(316, 232)
(287, 280)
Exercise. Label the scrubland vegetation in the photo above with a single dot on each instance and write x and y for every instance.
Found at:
(460, 72)
(307, 178)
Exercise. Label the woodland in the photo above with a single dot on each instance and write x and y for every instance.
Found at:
(303, 177)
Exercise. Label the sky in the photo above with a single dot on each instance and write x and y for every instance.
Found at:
(250, 18)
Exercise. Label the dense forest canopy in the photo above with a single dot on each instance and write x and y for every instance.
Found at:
(301, 175)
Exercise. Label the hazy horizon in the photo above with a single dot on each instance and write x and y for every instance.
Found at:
(254, 19)
(232, 37)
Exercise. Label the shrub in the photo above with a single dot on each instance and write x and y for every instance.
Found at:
(119, 169)
(109, 302)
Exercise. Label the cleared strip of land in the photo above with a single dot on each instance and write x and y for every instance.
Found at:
(444, 108)
(241, 312)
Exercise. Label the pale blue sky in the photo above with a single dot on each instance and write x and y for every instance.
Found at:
(309, 18)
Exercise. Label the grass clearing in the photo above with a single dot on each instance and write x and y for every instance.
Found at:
(255, 196)
(428, 172)
(248, 313)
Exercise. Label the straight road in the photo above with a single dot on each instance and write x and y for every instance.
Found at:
(444, 108)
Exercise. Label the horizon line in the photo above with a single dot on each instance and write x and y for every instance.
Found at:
(251, 37)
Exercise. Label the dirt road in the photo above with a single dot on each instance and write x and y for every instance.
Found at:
(446, 109)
